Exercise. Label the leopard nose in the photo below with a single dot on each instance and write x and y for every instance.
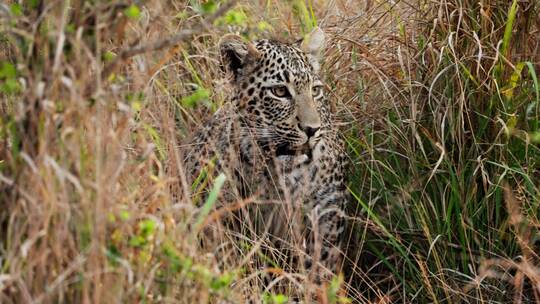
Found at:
(309, 130)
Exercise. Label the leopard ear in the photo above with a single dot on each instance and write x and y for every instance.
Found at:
(312, 45)
(236, 54)
(313, 42)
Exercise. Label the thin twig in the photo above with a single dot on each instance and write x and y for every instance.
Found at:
(180, 37)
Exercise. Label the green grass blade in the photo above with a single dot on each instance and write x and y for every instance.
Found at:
(210, 201)
(508, 28)
(535, 80)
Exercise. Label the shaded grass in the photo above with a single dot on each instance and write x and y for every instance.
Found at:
(436, 166)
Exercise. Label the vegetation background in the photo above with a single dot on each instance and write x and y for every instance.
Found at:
(438, 101)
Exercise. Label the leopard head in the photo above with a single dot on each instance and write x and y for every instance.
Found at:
(279, 93)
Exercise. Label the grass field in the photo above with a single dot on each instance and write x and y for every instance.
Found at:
(438, 102)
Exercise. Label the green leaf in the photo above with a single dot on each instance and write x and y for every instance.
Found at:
(511, 124)
(15, 9)
(264, 26)
(137, 241)
(332, 290)
(10, 86)
(108, 56)
(201, 94)
(234, 17)
(535, 137)
(133, 12)
(183, 15)
(7, 70)
(274, 299)
(280, 299)
(209, 7)
(508, 91)
(147, 228)
(221, 282)
(172, 256)
(124, 215)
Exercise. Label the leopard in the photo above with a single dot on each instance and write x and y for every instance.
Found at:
(276, 139)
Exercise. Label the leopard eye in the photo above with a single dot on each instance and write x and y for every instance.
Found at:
(281, 91)
(317, 91)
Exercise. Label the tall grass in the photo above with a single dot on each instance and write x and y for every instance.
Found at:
(439, 103)
(430, 174)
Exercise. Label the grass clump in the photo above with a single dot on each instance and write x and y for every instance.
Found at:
(431, 173)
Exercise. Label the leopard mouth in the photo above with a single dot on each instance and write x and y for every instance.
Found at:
(289, 150)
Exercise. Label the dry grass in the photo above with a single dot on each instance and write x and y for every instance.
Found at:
(438, 101)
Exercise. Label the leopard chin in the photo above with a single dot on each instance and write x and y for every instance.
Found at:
(292, 160)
